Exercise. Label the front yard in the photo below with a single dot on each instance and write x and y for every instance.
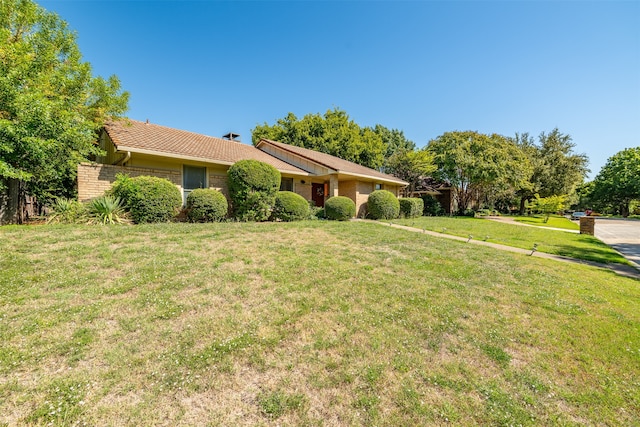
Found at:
(311, 323)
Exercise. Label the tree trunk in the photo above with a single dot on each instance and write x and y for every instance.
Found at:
(523, 201)
(12, 202)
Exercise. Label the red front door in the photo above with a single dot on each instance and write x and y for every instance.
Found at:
(317, 194)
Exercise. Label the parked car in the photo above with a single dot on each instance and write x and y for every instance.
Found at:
(578, 215)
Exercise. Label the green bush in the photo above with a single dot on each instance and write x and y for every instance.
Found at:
(67, 211)
(253, 186)
(107, 210)
(431, 206)
(383, 204)
(411, 207)
(339, 208)
(206, 205)
(290, 206)
(148, 198)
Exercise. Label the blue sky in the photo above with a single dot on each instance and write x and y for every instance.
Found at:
(424, 67)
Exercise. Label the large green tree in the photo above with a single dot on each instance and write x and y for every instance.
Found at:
(618, 182)
(478, 165)
(332, 133)
(50, 104)
(410, 166)
(557, 169)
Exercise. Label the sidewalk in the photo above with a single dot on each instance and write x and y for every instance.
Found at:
(622, 270)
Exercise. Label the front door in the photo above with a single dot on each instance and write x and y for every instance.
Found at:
(317, 194)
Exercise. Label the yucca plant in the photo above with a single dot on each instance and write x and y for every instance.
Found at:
(67, 211)
(108, 210)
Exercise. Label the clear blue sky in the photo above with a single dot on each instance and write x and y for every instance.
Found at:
(424, 67)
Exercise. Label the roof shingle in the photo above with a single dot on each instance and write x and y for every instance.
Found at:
(133, 135)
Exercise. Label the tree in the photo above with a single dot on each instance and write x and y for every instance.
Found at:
(478, 165)
(50, 105)
(394, 140)
(332, 133)
(549, 205)
(618, 182)
(557, 170)
(410, 166)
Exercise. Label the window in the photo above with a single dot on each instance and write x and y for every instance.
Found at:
(193, 177)
(286, 184)
(378, 187)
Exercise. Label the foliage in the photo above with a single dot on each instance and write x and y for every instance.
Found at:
(549, 205)
(478, 165)
(556, 169)
(411, 207)
(107, 210)
(410, 166)
(432, 206)
(618, 182)
(394, 140)
(383, 204)
(253, 186)
(50, 105)
(339, 208)
(147, 198)
(67, 211)
(332, 133)
(206, 205)
(290, 206)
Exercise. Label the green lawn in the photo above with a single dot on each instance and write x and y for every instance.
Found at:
(550, 241)
(314, 323)
(554, 221)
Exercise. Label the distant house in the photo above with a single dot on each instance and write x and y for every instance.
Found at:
(192, 160)
(439, 190)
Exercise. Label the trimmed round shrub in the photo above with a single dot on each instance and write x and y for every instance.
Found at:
(383, 204)
(253, 186)
(290, 206)
(206, 205)
(148, 198)
(431, 206)
(339, 208)
(411, 207)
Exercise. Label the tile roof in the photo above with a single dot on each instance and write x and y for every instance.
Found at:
(333, 162)
(132, 135)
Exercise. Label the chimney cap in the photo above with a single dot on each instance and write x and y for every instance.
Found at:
(232, 136)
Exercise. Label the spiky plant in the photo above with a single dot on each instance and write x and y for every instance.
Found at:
(108, 210)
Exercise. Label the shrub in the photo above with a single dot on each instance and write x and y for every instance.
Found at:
(253, 186)
(290, 206)
(206, 205)
(431, 206)
(411, 207)
(383, 204)
(339, 208)
(107, 210)
(148, 198)
(67, 211)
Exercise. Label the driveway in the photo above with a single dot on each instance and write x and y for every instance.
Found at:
(621, 234)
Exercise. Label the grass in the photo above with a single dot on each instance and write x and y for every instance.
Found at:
(314, 324)
(572, 245)
(554, 221)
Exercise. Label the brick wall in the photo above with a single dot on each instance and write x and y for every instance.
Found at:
(95, 179)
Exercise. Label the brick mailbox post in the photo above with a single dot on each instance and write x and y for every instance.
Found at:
(587, 225)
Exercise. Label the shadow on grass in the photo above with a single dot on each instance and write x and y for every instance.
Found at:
(597, 251)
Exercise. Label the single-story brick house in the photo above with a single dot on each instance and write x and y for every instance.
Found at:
(192, 160)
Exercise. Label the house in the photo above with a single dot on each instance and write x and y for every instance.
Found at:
(439, 190)
(192, 160)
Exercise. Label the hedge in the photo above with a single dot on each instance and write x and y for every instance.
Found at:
(206, 205)
(383, 204)
(339, 208)
(290, 206)
(411, 207)
(253, 186)
(148, 198)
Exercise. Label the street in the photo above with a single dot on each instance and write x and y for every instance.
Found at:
(622, 235)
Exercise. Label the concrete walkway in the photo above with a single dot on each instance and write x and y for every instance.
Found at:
(510, 220)
(623, 270)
